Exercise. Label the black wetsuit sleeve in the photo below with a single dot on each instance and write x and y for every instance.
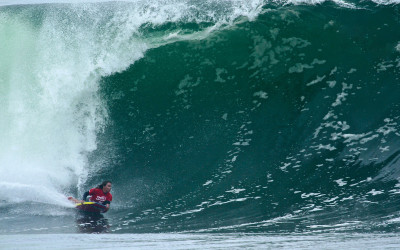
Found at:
(106, 202)
(85, 195)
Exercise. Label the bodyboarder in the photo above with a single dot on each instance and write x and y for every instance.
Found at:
(100, 194)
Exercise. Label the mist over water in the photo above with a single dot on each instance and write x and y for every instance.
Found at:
(51, 106)
(208, 116)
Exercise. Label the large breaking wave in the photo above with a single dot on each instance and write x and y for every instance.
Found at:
(207, 115)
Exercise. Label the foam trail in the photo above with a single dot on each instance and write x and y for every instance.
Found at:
(342, 3)
(386, 2)
(15, 193)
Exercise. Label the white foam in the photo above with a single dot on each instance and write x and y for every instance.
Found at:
(26, 2)
(16, 192)
(235, 190)
(374, 192)
(341, 182)
(341, 3)
(386, 2)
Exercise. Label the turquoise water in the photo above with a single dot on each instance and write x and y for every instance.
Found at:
(200, 241)
(208, 116)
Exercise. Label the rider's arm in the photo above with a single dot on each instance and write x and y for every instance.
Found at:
(107, 203)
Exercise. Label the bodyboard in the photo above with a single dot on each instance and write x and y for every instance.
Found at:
(91, 206)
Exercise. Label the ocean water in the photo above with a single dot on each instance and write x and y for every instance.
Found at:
(199, 241)
(220, 122)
